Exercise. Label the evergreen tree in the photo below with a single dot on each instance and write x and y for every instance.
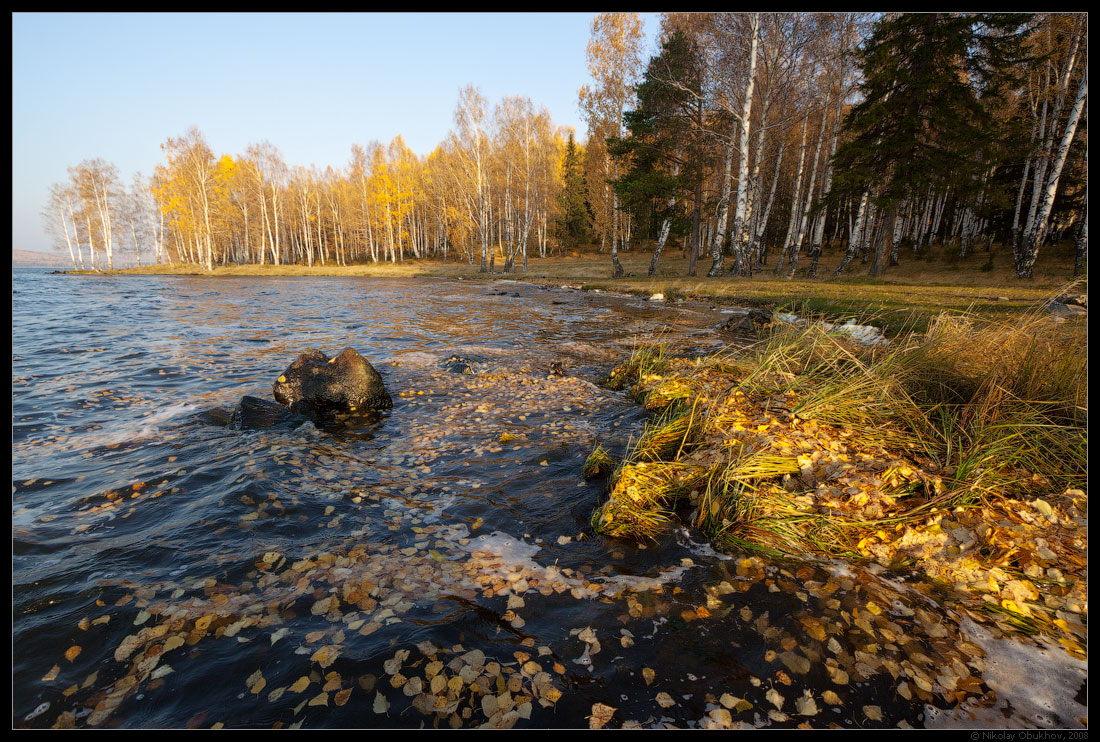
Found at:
(574, 217)
(664, 153)
(925, 121)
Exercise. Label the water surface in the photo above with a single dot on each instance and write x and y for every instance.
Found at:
(431, 565)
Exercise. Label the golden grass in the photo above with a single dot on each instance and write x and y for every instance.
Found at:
(972, 409)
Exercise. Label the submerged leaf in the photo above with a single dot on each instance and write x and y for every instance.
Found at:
(601, 714)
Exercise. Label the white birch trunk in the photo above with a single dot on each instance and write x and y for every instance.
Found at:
(740, 220)
(1035, 236)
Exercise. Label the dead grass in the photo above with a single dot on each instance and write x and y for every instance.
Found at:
(906, 454)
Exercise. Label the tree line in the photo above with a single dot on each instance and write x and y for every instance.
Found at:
(759, 138)
(491, 190)
(753, 139)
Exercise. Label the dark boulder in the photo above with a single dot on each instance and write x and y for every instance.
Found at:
(317, 386)
(253, 412)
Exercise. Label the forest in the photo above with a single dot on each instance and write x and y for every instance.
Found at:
(758, 141)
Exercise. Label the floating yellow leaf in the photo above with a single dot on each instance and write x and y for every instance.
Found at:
(326, 655)
(72, 652)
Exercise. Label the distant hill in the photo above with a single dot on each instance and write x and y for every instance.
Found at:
(32, 259)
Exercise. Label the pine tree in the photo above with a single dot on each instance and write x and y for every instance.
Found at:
(663, 156)
(925, 121)
(573, 218)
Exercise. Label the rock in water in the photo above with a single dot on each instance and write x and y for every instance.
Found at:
(754, 321)
(316, 385)
(253, 412)
(459, 365)
(739, 323)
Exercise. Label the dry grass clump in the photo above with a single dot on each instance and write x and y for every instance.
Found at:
(646, 361)
(598, 463)
(961, 450)
(643, 495)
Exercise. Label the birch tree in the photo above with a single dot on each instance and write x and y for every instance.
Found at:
(614, 62)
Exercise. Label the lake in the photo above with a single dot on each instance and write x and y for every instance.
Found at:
(432, 565)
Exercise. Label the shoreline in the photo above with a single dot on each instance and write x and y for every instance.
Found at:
(813, 449)
(905, 301)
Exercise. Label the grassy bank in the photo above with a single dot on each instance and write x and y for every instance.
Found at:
(960, 452)
(907, 298)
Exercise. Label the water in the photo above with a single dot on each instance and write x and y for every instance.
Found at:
(408, 570)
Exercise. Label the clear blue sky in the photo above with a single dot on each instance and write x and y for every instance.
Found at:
(117, 85)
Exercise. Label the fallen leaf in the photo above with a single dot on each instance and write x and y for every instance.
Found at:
(326, 655)
(601, 714)
(774, 698)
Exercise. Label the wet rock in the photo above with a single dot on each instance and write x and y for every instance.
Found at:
(755, 320)
(253, 412)
(459, 365)
(215, 416)
(739, 323)
(557, 368)
(1058, 309)
(1074, 300)
(317, 386)
(761, 316)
